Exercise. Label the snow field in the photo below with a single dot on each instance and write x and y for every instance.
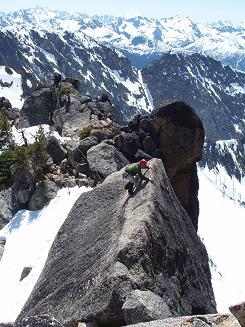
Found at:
(29, 236)
(221, 227)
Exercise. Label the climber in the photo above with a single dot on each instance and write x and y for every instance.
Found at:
(133, 173)
(56, 79)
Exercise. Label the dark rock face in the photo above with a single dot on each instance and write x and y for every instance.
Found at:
(36, 109)
(17, 196)
(148, 145)
(111, 244)
(105, 159)
(219, 153)
(5, 103)
(144, 306)
(55, 150)
(181, 137)
(101, 134)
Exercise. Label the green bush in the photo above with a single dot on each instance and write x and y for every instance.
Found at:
(64, 90)
(14, 161)
(85, 131)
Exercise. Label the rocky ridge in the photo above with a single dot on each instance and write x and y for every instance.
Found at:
(143, 137)
(154, 249)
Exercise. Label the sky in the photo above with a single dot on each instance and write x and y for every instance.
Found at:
(203, 11)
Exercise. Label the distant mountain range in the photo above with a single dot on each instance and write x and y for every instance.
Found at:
(143, 39)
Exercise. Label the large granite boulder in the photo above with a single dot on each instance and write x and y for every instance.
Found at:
(37, 108)
(180, 135)
(78, 113)
(17, 196)
(128, 144)
(112, 244)
(44, 192)
(105, 159)
(87, 143)
(216, 320)
(144, 306)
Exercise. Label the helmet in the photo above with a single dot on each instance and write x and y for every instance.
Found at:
(143, 163)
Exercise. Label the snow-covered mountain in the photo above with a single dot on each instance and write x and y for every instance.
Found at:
(141, 36)
(215, 92)
(38, 50)
(143, 39)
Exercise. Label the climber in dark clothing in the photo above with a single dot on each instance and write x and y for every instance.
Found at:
(134, 171)
(56, 79)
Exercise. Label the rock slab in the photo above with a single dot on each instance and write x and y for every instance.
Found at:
(144, 306)
(112, 244)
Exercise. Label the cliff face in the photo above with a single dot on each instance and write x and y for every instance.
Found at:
(112, 244)
(181, 137)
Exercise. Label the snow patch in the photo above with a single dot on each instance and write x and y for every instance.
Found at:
(14, 91)
(221, 227)
(30, 134)
(29, 236)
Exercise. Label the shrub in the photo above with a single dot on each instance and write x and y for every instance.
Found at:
(14, 161)
(85, 131)
(64, 90)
